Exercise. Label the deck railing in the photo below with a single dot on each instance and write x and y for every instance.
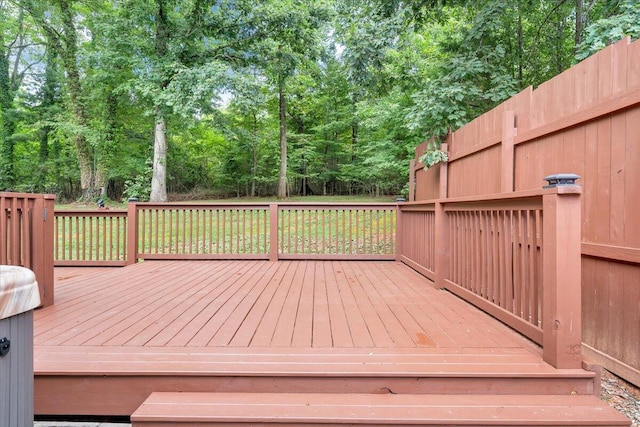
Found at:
(515, 255)
(97, 238)
(225, 231)
(26, 236)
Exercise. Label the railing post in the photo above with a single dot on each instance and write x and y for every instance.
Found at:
(442, 245)
(45, 281)
(273, 232)
(132, 233)
(35, 247)
(561, 280)
(399, 248)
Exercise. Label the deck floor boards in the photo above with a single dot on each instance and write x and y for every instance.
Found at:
(322, 304)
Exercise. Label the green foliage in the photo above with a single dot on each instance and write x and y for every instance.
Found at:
(139, 187)
(433, 155)
(364, 82)
(607, 30)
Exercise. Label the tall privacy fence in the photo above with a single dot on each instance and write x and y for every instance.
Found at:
(584, 121)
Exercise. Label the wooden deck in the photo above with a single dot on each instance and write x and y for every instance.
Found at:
(114, 336)
(263, 304)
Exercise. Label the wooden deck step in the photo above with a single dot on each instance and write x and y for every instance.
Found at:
(321, 409)
(116, 380)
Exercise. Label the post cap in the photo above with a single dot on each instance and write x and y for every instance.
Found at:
(559, 179)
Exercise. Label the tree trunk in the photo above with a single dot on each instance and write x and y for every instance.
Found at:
(48, 100)
(282, 106)
(69, 56)
(159, 178)
(520, 48)
(254, 157)
(579, 22)
(104, 157)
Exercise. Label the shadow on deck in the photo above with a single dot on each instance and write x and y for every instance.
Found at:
(115, 336)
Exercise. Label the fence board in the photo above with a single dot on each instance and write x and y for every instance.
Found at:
(633, 66)
(632, 180)
(631, 315)
(603, 192)
(617, 183)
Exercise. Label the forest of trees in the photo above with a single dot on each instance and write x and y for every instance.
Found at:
(221, 98)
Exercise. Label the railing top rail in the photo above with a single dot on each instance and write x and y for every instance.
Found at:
(9, 194)
(363, 206)
(201, 205)
(497, 197)
(94, 212)
(222, 205)
(267, 204)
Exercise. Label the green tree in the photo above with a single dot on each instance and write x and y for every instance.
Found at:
(19, 53)
(293, 34)
(617, 21)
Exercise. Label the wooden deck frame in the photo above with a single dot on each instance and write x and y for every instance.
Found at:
(114, 336)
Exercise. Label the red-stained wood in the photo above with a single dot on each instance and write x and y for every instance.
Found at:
(562, 318)
(324, 409)
(630, 316)
(116, 335)
(584, 121)
(26, 237)
(632, 180)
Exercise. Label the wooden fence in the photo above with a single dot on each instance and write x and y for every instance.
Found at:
(26, 237)
(225, 231)
(584, 121)
(497, 253)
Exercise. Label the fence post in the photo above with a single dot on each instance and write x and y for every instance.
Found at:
(273, 232)
(509, 131)
(561, 279)
(132, 233)
(444, 174)
(412, 180)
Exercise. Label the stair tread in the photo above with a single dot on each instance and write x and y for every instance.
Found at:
(505, 363)
(328, 408)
